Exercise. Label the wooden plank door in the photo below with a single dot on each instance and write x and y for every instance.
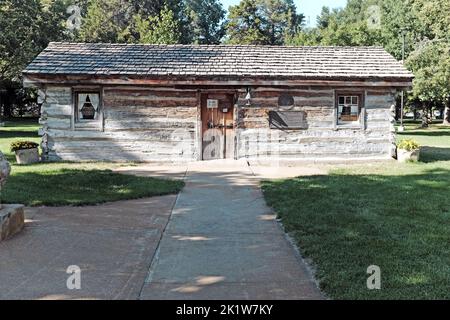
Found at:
(217, 126)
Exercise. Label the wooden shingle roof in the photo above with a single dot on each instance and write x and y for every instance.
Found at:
(217, 60)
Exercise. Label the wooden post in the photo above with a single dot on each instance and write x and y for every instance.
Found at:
(363, 111)
(199, 128)
(236, 127)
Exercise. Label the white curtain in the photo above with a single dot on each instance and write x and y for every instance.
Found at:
(93, 97)
(81, 100)
(94, 100)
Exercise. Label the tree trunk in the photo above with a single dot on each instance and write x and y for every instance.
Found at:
(424, 116)
(430, 115)
(7, 111)
(446, 116)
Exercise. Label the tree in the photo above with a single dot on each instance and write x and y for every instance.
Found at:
(281, 19)
(307, 37)
(106, 21)
(351, 26)
(115, 20)
(205, 21)
(430, 62)
(435, 16)
(263, 22)
(246, 24)
(26, 28)
(20, 23)
(54, 20)
(398, 17)
(431, 66)
(323, 19)
(152, 8)
(162, 29)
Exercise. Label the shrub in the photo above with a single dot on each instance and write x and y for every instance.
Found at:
(408, 145)
(22, 145)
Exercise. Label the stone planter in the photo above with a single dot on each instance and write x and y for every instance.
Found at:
(27, 156)
(405, 155)
(12, 220)
(11, 215)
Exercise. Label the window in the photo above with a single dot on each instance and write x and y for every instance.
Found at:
(87, 110)
(87, 107)
(348, 109)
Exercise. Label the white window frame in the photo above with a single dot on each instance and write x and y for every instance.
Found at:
(87, 124)
(349, 98)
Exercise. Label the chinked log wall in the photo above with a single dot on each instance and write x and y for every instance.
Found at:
(140, 124)
(323, 139)
(151, 124)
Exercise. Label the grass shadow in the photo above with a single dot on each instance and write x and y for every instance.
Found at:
(425, 133)
(11, 158)
(433, 154)
(21, 122)
(18, 134)
(81, 187)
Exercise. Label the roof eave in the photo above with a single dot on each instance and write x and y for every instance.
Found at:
(34, 79)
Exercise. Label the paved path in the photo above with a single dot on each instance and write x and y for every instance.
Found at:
(222, 242)
(113, 244)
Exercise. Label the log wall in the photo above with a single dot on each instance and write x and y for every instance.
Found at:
(323, 139)
(138, 125)
(162, 124)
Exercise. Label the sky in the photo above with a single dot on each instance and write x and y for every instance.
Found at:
(310, 8)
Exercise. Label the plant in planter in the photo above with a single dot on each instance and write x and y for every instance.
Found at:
(408, 150)
(26, 151)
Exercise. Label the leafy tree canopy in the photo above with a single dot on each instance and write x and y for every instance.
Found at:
(106, 21)
(263, 22)
(161, 29)
(205, 21)
(26, 28)
(430, 63)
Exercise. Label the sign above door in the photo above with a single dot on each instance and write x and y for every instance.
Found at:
(212, 104)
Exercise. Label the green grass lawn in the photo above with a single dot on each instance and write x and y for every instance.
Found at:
(70, 183)
(435, 141)
(395, 216)
(17, 129)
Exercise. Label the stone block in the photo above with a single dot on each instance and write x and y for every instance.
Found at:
(27, 156)
(12, 220)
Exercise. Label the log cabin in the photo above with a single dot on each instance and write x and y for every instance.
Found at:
(136, 102)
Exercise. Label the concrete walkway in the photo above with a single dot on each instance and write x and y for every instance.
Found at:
(112, 243)
(215, 240)
(222, 242)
